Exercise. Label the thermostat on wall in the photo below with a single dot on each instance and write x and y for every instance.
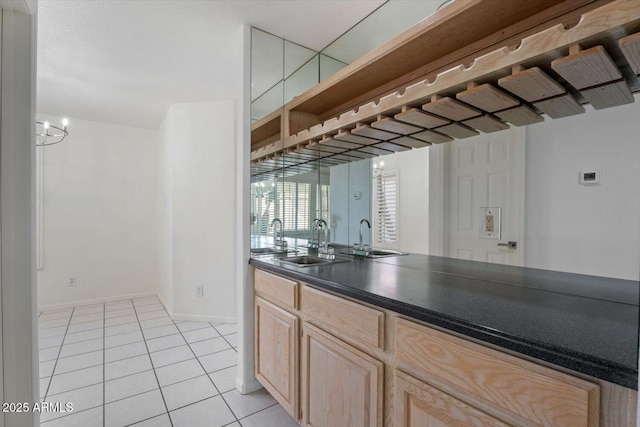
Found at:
(590, 177)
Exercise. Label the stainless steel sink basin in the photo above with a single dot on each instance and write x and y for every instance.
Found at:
(379, 253)
(310, 261)
(375, 253)
(270, 251)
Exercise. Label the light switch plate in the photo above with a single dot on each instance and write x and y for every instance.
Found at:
(490, 223)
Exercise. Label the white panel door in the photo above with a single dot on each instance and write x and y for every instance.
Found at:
(486, 171)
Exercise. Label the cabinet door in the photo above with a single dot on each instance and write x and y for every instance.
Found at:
(419, 404)
(342, 386)
(276, 354)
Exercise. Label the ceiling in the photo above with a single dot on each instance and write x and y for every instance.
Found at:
(125, 62)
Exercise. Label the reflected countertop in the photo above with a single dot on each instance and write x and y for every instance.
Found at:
(584, 323)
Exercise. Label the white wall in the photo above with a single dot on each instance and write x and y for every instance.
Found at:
(100, 214)
(585, 229)
(199, 140)
(18, 327)
(346, 211)
(413, 198)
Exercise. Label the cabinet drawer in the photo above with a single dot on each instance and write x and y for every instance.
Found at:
(541, 395)
(281, 291)
(363, 324)
(419, 404)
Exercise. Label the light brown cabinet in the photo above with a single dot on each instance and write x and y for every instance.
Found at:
(417, 404)
(276, 353)
(341, 386)
(513, 387)
(331, 361)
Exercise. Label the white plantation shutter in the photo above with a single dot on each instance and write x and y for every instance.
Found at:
(322, 201)
(386, 207)
(294, 205)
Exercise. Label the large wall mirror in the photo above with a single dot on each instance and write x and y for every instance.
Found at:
(559, 195)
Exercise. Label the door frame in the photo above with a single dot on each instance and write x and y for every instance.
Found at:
(18, 292)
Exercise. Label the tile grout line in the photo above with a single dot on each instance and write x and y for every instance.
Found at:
(58, 357)
(223, 337)
(205, 371)
(152, 364)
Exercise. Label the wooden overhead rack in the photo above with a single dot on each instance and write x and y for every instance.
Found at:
(544, 57)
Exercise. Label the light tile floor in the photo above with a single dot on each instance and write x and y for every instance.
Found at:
(128, 363)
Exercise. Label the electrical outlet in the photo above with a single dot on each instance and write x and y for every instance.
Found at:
(488, 223)
(71, 281)
(490, 219)
(200, 291)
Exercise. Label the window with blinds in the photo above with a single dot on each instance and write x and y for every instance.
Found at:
(386, 207)
(294, 209)
(322, 201)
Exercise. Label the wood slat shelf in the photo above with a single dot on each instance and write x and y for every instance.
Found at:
(340, 143)
(587, 68)
(630, 47)
(523, 70)
(413, 53)
(362, 155)
(532, 85)
(431, 137)
(357, 139)
(377, 134)
(488, 98)
(456, 130)
(391, 125)
(608, 95)
(420, 118)
(408, 141)
(317, 146)
(486, 123)
(520, 116)
(451, 109)
(606, 23)
(370, 149)
(559, 106)
(392, 146)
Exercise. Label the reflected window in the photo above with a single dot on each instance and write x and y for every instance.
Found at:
(386, 207)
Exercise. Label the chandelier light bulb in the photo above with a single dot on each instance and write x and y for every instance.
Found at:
(46, 125)
(65, 122)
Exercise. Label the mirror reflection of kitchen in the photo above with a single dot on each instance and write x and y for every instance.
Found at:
(559, 197)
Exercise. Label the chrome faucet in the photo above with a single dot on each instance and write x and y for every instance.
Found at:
(278, 244)
(325, 252)
(361, 249)
(313, 243)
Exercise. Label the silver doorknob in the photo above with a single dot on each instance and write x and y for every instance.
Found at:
(510, 245)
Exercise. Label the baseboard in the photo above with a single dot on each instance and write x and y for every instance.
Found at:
(195, 317)
(166, 306)
(203, 318)
(102, 300)
(247, 387)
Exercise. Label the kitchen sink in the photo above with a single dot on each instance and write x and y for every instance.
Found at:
(379, 253)
(310, 261)
(375, 253)
(270, 251)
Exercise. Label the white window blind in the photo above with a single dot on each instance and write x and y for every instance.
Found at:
(322, 202)
(294, 205)
(386, 207)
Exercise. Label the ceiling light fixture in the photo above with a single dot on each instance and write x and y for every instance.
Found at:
(48, 134)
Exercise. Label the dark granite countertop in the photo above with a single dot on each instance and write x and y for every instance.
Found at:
(584, 323)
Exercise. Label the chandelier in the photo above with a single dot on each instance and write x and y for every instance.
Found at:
(48, 134)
